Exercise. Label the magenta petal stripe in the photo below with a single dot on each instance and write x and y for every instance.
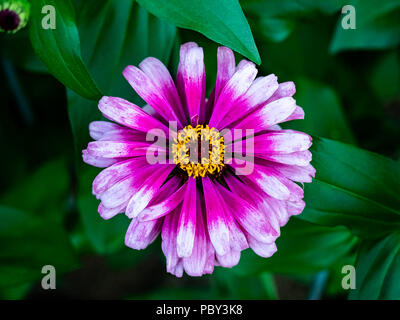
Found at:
(236, 86)
(187, 221)
(216, 219)
(128, 114)
(213, 175)
(261, 89)
(149, 92)
(193, 78)
(168, 198)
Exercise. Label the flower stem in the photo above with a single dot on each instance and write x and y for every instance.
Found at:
(318, 285)
(18, 93)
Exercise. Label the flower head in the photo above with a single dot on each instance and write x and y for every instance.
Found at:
(214, 176)
(13, 15)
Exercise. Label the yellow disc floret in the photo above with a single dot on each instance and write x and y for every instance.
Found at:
(199, 151)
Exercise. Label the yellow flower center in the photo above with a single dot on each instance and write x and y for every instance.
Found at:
(199, 151)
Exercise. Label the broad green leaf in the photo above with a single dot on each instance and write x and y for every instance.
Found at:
(222, 21)
(303, 247)
(377, 27)
(354, 188)
(118, 33)
(274, 8)
(378, 270)
(59, 48)
(274, 29)
(230, 285)
(31, 242)
(44, 191)
(114, 34)
(323, 113)
(296, 55)
(385, 77)
(368, 10)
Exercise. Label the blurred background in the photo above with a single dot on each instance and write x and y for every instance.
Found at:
(348, 82)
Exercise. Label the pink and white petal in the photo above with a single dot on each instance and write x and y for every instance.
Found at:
(262, 249)
(123, 149)
(123, 134)
(281, 142)
(285, 89)
(195, 264)
(260, 90)
(108, 177)
(108, 213)
(275, 127)
(257, 199)
(124, 189)
(298, 114)
(187, 221)
(129, 114)
(299, 158)
(250, 218)
(237, 85)
(268, 115)
(210, 260)
(237, 239)
(295, 207)
(295, 173)
(98, 128)
(99, 162)
(168, 236)
(296, 192)
(179, 75)
(225, 69)
(150, 92)
(162, 79)
(216, 220)
(141, 234)
(266, 180)
(119, 193)
(170, 197)
(192, 73)
(230, 259)
(148, 190)
(178, 269)
(279, 209)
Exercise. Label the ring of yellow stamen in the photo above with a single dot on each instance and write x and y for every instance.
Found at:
(198, 139)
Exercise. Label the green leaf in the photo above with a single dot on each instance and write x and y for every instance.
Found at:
(274, 8)
(377, 27)
(59, 48)
(302, 248)
(385, 77)
(230, 285)
(354, 188)
(222, 21)
(378, 270)
(274, 29)
(323, 113)
(41, 191)
(114, 34)
(32, 242)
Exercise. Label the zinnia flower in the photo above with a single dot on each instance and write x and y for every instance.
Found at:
(13, 15)
(209, 210)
